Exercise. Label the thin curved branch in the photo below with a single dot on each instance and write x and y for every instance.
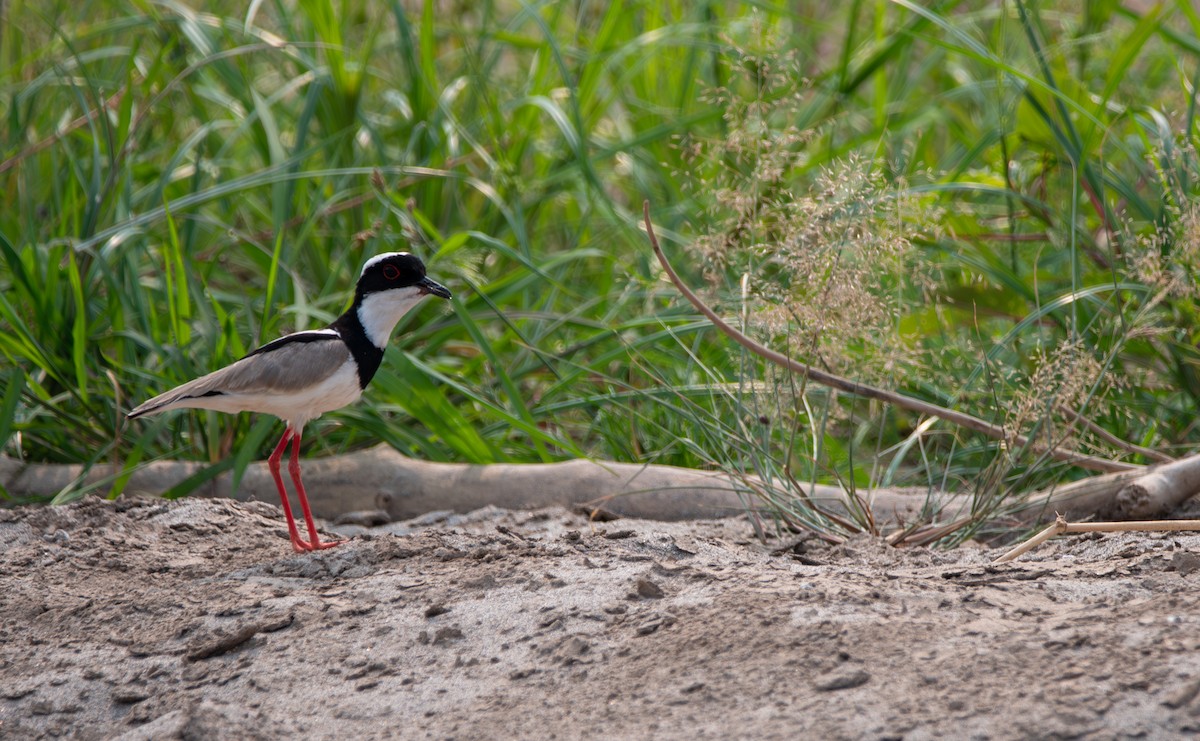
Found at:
(1077, 418)
(918, 406)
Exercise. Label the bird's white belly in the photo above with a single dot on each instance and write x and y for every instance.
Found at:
(296, 407)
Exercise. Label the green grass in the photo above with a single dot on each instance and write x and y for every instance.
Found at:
(180, 186)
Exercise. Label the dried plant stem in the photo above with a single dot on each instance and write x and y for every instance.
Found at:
(57, 136)
(871, 392)
(1061, 526)
(381, 188)
(928, 534)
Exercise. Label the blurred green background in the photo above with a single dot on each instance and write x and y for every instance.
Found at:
(987, 205)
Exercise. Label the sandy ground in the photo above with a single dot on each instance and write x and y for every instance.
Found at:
(145, 619)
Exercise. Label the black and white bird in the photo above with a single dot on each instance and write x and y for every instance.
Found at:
(302, 375)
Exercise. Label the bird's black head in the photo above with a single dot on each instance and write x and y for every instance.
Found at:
(397, 270)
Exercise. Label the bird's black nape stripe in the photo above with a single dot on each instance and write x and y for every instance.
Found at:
(367, 356)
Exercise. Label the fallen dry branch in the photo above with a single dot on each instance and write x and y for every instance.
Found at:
(1126, 495)
(1061, 526)
(919, 406)
(382, 479)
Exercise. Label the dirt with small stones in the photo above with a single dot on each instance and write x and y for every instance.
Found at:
(148, 619)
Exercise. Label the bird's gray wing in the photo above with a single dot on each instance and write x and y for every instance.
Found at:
(286, 368)
(289, 364)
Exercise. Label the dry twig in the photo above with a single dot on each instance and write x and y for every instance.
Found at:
(1062, 526)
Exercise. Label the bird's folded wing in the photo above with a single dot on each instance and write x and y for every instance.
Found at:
(287, 365)
(282, 367)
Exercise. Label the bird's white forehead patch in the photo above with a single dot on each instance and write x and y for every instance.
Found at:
(376, 260)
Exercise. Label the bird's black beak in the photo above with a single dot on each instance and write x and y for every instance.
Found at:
(432, 287)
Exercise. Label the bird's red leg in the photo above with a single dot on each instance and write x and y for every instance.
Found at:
(298, 543)
(314, 540)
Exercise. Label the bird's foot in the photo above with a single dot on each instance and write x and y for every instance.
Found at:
(300, 545)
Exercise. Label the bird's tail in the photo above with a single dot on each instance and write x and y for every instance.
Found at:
(158, 404)
(189, 394)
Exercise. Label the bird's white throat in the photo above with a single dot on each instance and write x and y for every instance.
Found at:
(379, 312)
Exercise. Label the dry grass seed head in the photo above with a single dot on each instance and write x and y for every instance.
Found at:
(1063, 379)
(829, 252)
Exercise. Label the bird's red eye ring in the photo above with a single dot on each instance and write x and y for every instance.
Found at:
(391, 272)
